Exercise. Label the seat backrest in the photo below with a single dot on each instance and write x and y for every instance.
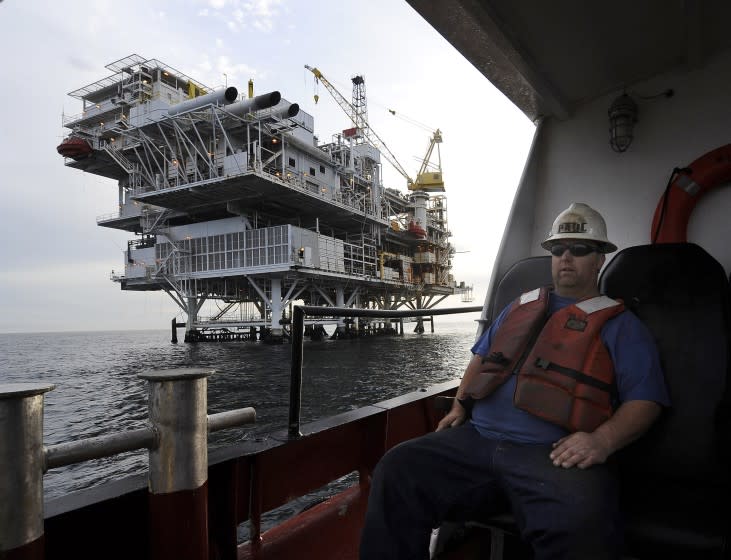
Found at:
(682, 294)
(525, 275)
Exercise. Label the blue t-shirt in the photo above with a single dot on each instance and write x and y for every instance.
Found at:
(636, 366)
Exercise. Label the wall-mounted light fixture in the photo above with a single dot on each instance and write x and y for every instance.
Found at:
(622, 119)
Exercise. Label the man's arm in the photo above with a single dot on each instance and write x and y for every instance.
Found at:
(582, 449)
(458, 414)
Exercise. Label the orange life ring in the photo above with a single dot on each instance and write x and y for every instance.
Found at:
(670, 222)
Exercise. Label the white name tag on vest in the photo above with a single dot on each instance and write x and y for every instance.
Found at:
(598, 303)
(530, 296)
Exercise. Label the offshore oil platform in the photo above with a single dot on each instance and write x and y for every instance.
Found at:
(232, 199)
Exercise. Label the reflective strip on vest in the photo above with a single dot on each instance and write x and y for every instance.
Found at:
(527, 297)
(597, 304)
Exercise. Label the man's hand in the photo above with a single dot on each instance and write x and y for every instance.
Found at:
(628, 422)
(580, 449)
(454, 417)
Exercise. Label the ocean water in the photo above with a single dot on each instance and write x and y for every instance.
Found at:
(98, 390)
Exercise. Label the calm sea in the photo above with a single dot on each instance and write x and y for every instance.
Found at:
(98, 392)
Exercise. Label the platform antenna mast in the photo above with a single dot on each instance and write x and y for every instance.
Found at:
(368, 133)
(360, 105)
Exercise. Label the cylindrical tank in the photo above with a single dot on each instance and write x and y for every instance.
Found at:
(309, 148)
(420, 199)
(222, 97)
(263, 101)
(290, 110)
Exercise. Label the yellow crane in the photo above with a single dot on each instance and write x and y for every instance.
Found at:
(425, 180)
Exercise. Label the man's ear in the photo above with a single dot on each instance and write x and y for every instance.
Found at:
(602, 258)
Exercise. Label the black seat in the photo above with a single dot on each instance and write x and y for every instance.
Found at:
(525, 275)
(675, 480)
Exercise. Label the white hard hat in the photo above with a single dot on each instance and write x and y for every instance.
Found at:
(580, 221)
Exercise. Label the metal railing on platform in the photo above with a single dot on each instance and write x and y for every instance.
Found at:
(178, 461)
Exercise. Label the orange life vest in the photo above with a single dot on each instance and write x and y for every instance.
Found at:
(564, 372)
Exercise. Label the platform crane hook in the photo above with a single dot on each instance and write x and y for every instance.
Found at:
(369, 134)
(427, 181)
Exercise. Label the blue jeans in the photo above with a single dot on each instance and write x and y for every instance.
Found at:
(562, 513)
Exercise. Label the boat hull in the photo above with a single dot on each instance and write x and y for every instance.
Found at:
(75, 148)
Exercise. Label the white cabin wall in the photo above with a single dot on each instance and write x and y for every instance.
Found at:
(204, 229)
(571, 161)
(576, 164)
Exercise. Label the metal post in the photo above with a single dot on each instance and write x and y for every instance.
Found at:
(339, 302)
(21, 470)
(295, 381)
(192, 312)
(179, 463)
(276, 307)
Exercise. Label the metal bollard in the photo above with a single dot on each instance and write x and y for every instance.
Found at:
(21, 470)
(178, 480)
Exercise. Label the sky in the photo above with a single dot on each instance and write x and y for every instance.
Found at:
(57, 262)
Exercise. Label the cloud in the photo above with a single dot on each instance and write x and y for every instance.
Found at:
(259, 15)
(263, 25)
(263, 7)
(212, 72)
(205, 66)
(82, 64)
(238, 71)
(264, 13)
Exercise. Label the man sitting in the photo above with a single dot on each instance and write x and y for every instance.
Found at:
(562, 379)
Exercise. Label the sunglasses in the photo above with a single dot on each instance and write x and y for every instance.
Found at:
(576, 249)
